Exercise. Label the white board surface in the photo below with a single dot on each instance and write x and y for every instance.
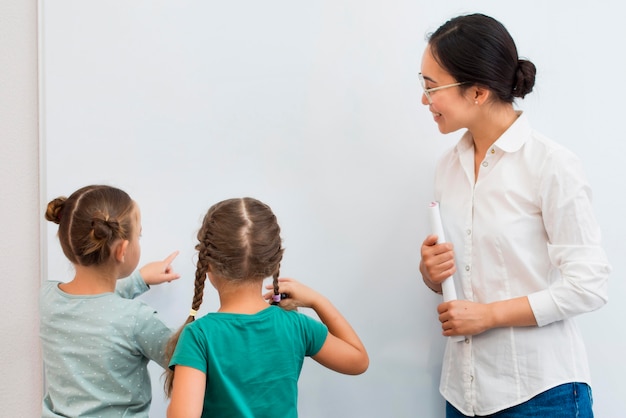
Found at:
(314, 108)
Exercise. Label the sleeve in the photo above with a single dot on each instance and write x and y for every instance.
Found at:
(151, 334)
(191, 350)
(131, 286)
(574, 245)
(316, 333)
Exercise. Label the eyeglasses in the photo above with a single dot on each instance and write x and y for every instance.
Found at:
(432, 89)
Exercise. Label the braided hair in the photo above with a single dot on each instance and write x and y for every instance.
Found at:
(239, 241)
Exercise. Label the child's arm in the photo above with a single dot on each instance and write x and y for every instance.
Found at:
(159, 272)
(187, 393)
(342, 351)
(152, 273)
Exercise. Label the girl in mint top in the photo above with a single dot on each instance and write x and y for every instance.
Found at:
(96, 339)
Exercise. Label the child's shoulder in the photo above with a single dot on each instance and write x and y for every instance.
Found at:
(48, 286)
(271, 313)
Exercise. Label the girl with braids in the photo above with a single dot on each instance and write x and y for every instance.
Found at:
(96, 339)
(516, 209)
(245, 359)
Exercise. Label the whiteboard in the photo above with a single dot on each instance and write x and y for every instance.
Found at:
(314, 108)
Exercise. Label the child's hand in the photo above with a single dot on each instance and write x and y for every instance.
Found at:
(159, 272)
(298, 295)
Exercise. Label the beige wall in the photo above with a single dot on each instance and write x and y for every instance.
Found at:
(20, 360)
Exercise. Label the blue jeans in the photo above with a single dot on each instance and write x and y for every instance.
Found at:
(571, 400)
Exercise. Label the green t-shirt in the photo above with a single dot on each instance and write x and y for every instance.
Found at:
(96, 350)
(252, 362)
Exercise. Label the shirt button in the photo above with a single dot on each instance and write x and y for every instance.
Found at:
(469, 232)
(493, 151)
(466, 340)
(485, 164)
(467, 268)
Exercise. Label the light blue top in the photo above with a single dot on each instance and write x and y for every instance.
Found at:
(96, 349)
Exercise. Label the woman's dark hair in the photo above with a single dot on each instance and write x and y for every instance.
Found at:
(239, 240)
(477, 49)
(90, 221)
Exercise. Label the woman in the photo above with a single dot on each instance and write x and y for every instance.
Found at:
(523, 240)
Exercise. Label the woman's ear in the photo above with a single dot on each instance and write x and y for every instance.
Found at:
(119, 250)
(480, 94)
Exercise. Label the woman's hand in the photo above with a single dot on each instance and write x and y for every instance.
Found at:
(464, 317)
(437, 262)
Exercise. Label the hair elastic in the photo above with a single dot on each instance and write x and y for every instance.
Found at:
(279, 297)
(193, 312)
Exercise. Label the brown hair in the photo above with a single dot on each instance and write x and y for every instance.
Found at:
(90, 221)
(239, 240)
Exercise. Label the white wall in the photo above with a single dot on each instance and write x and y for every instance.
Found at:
(314, 107)
(20, 360)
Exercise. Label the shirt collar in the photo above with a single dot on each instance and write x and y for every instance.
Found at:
(510, 141)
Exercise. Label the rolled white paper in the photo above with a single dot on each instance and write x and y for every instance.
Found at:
(447, 286)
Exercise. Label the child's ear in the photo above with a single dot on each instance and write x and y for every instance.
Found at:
(119, 250)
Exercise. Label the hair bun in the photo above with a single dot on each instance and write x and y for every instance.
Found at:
(103, 227)
(524, 78)
(55, 209)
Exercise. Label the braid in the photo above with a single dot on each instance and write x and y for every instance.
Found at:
(202, 267)
(239, 241)
(276, 299)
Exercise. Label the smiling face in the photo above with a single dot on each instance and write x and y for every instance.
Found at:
(452, 107)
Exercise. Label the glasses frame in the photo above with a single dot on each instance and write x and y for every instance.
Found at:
(427, 91)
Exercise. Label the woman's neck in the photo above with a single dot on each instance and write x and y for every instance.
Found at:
(494, 121)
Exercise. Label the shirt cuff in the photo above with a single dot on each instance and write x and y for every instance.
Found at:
(544, 308)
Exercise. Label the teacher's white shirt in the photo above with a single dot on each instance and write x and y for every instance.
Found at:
(525, 227)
